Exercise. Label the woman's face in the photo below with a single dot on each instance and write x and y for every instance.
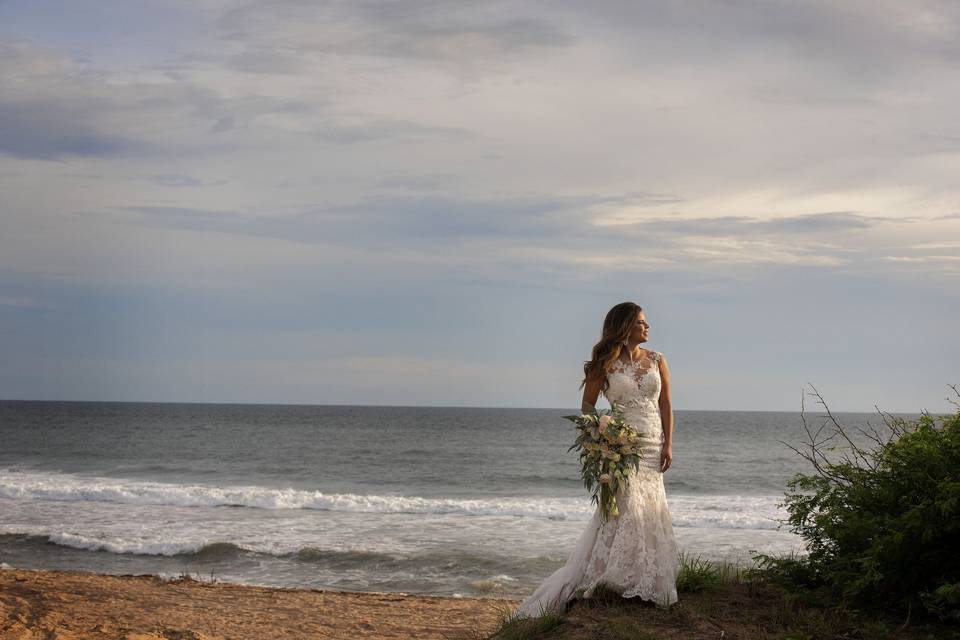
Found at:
(641, 329)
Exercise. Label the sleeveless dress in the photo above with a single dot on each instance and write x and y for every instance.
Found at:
(635, 553)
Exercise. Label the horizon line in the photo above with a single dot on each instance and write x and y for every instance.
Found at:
(874, 410)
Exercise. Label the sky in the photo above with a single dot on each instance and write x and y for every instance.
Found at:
(436, 203)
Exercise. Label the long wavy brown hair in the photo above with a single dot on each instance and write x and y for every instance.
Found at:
(616, 329)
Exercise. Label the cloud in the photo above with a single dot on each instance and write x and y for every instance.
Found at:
(811, 223)
(383, 129)
(44, 131)
(861, 41)
(729, 250)
(949, 262)
(176, 180)
(284, 37)
(544, 237)
(417, 220)
(413, 221)
(62, 109)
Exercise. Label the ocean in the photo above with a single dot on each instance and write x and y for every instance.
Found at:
(425, 500)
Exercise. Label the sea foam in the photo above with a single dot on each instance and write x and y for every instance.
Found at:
(20, 485)
(701, 511)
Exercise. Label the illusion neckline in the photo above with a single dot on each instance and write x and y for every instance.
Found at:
(651, 358)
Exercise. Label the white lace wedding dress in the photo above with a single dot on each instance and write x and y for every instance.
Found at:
(634, 554)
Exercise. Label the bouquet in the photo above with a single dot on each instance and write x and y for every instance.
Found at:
(609, 455)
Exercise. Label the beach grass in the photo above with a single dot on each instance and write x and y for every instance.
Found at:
(697, 575)
(511, 628)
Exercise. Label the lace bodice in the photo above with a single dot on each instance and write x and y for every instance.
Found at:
(636, 385)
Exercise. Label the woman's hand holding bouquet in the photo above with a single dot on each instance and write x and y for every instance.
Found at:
(609, 455)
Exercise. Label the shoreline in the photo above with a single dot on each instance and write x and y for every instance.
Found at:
(37, 603)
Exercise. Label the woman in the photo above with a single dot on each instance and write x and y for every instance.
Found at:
(635, 553)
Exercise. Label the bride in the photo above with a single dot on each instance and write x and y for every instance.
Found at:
(635, 553)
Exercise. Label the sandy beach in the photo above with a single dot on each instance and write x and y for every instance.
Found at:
(68, 605)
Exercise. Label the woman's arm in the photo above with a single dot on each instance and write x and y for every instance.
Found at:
(591, 391)
(666, 416)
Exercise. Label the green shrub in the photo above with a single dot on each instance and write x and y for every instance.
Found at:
(882, 524)
(944, 601)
